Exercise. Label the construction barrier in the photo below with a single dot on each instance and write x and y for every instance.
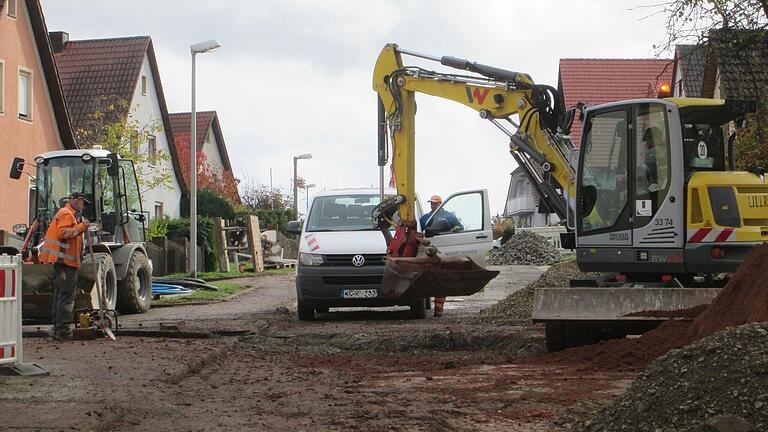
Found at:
(10, 310)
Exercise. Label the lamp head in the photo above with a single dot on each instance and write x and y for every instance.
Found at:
(304, 156)
(311, 185)
(204, 47)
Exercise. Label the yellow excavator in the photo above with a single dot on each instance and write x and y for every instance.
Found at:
(649, 197)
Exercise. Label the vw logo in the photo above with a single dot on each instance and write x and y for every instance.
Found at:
(358, 260)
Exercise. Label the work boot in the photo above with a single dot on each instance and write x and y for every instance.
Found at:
(439, 305)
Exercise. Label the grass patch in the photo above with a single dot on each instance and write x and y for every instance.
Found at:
(226, 289)
(231, 275)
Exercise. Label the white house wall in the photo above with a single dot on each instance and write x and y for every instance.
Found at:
(211, 151)
(145, 110)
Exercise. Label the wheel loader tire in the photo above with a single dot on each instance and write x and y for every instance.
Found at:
(107, 276)
(418, 309)
(134, 293)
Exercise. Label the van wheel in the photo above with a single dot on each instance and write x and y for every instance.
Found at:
(419, 309)
(306, 311)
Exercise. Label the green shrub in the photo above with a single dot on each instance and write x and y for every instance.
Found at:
(507, 234)
(209, 205)
(157, 228)
(206, 238)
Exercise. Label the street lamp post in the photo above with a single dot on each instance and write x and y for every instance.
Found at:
(296, 185)
(306, 191)
(198, 48)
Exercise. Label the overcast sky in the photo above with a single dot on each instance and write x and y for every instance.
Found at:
(294, 76)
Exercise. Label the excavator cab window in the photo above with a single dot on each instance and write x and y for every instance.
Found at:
(604, 171)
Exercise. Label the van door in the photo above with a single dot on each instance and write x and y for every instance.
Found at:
(465, 218)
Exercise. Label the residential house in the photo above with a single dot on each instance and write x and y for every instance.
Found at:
(33, 112)
(736, 65)
(599, 81)
(101, 72)
(210, 141)
(593, 82)
(688, 70)
(523, 202)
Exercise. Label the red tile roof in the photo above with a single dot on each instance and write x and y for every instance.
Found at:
(94, 72)
(181, 124)
(598, 81)
(93, 69)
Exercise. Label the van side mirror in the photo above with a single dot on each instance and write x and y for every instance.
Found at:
(436, 227)
(17, 167)
(114, 168)
(587, 200)
(294, 227)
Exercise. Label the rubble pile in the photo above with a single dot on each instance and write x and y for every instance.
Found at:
(519, 305)
(524, 248)
(721, 379)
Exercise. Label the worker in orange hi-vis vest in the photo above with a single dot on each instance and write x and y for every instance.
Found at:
(62, 247)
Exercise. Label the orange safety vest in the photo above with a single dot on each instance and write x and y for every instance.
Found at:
(63, 241)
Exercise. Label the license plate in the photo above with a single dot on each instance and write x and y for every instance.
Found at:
(359, 293)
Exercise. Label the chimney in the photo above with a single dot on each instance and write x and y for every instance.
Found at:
(58, 40)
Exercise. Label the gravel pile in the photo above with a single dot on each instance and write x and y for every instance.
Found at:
(519, 305)
(524, 248)
(717, 381)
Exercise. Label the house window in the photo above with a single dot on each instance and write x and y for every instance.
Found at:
(12, 8)
(2, 86)
(152, 150)
(144, 85)
(158, 210)
(25, 94)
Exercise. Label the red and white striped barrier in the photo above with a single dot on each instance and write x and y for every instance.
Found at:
(10, 309)
(711, 235)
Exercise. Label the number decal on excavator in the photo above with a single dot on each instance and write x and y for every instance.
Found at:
(663, 222)
(478, 94)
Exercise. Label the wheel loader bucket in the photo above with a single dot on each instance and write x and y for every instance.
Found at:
(38, 291)
(615, 303)
(419, 277)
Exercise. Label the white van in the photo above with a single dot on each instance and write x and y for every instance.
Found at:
(341, 255)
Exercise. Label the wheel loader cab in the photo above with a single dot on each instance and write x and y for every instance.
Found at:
(657, 173)
(111, 186)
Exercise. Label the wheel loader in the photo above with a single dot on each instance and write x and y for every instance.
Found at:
(650, 197)
(110, 184)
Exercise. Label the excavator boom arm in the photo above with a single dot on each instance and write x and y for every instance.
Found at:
(499, 95)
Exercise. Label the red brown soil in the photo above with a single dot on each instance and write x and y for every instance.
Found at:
(743, 300)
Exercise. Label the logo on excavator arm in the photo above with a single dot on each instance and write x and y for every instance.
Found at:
(477, 94)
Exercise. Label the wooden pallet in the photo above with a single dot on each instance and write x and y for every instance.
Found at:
(279, 265)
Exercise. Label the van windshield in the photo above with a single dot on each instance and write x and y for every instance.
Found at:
(342, 213)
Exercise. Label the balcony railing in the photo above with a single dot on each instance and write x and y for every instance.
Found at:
(523, 204)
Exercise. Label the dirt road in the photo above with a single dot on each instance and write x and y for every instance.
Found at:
(248, 364)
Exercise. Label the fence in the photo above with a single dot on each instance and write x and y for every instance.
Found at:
(10, 309)
(552, 234)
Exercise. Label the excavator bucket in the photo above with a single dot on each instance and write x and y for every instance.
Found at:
(421, 277)
(38, 291)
